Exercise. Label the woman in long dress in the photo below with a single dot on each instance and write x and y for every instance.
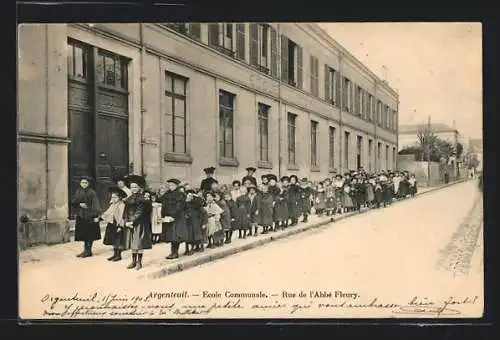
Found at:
(87, 228)
(116, 234)
(138, 220)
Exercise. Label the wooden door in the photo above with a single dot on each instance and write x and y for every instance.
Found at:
(111, 121)
(80, 115)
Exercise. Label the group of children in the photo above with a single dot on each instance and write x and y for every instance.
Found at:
(209, 215)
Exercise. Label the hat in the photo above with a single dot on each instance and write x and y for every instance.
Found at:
(120, 178)
(87, 178)
(190, 191)
(174, 180)
(236, 182)
(271, 177)
(250, 187)
(209, 170)
(304, 179)
(139, 180)
(338, 176)
(284, 178)
(118, 191)
(264, 176)
(294, 176)
(251, 169)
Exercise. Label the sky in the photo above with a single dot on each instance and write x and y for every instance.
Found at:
(435, 67)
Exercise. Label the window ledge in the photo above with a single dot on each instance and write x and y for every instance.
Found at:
(178, 158)
(264, 165)
(294, 167)
(315, 168)
(332, 170)
(233, 162)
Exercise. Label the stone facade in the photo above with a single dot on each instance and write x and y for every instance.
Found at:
(151, 51)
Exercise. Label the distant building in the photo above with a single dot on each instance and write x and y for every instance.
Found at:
(408, 134)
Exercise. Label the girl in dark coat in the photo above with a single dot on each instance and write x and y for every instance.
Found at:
(242, 216)
(138, 218)
(266, 209)
(306, 194)
(232, 212)
(116, 234)
(195, 217)
(281, 205)
(294, 197)
(254, 198)
(174, 224)
(274, 190)
(86, 205)
(320, 199)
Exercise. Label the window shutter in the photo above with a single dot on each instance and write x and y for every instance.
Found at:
(327, 83)
(300, 64)
(254, 44)
(213, 34)
(195, 30)
(274, 52)
(240, 41)
(284, 58)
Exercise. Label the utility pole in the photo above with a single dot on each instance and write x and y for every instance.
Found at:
(428, 149)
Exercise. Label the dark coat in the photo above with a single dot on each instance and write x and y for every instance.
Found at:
(281, 206)
(266, 209)
(225, 217)
(242, 216)
(206, 184)
(294, 201)
(173, 205)
(86, 229)
(306, 195)
(195, 217)
(138, 211)
(255, 208)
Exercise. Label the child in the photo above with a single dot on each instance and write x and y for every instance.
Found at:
(254, 209)
(306, 193)
(266, 209)
(348, 203)
(156, 219)
(116, 234)
(338, 187)
(319, 201)
(242, 216)
(294, 197)
(412, 185)
(232, 213)
(274, 190)
(214, 226)
(330, 199)
(225, 219)
(281, 205)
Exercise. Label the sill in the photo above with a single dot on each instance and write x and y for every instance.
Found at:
(332, 170)
(293, 167)
(232, 162)
(178, 158)
(226, 51)
(315, 168)
(264, 165)
(292, 83)
(263, 69)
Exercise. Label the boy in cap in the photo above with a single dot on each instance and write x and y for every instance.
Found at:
(173, 214)
(249, 177)
(306, 194)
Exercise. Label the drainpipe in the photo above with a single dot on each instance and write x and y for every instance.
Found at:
(397, 133)
(375, 122)
(341, 105)
(280, 103)
(143, 78)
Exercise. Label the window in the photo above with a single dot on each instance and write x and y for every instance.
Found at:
(372, 108)
(291, 138)
(175, 113)
(358, 101)
(314, 76)
(314, 143)
(346, 150)
(111, 70)
(331, 147)
(359, 152)
(263, 116)
(221, 36)
(395, 120)
(379, 113)
(226, 124)
(348, 104)
(331, 85)
(190, 29)
(264, 42)
(370, 155)
(291, 62)
(77, 61)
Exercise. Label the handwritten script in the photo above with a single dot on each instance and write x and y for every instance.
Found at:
(178, 305)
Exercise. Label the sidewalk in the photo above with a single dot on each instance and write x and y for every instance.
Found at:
(60, 257)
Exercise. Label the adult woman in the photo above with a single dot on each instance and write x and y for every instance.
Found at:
(88, 210)
(138, 219)
(116, 234)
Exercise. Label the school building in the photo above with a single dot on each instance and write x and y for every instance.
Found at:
(167, 100)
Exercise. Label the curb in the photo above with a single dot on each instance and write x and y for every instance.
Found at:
(257, 243)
